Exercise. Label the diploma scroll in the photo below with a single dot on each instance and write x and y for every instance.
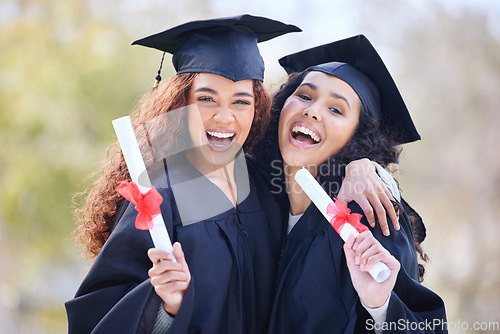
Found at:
(380, 272)
(138, 174)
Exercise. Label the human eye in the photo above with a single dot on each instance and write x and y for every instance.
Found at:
(242, 102)
(205, 99)
(335, 110)
(304, 97)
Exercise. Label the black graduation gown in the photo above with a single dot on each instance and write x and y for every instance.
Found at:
(314, 291)
(232, 258)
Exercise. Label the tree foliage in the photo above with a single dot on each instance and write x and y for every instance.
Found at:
(64, 78)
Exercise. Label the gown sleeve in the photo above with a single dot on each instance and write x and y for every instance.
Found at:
(413, 308)
(116, 295)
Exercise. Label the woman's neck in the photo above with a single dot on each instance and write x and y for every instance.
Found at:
(299, 201)
(220, 175)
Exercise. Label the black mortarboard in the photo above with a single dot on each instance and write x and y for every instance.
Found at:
(355, 60)
(225, 46)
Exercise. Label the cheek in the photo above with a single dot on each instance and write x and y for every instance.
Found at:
(286, 112)
(204, 114)
(351, 128)
(341, 134)
(195, 122)
(283, 134)
(245, 120)
(281, 127)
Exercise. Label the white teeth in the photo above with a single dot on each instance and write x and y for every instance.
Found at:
(306, 131)
(220, 134)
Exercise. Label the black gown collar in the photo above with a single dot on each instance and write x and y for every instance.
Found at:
(309, 225)
(197, 198)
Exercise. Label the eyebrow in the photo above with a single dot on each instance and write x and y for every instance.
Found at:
(244, 94)
(332, 94)
(206, 90)
(211, 91)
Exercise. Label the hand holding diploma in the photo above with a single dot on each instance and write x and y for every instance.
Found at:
(170, 276)
(361, 253)
(339, 217)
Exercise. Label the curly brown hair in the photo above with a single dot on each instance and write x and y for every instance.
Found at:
(96, 216)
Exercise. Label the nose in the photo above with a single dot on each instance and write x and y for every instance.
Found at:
(312, 112)
(224, 115)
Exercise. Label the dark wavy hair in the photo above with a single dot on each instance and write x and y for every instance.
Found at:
(368, 141)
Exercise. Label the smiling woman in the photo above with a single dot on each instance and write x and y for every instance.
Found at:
(342, 105)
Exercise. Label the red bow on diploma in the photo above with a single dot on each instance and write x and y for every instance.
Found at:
(147, 205)
(341, 214)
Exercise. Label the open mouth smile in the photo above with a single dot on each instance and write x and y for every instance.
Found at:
(304, 136)
(220, 141)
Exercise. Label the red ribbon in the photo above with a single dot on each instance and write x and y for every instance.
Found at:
(341, 215)
(147, 205)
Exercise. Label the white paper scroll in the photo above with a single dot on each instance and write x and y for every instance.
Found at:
(138, 174)
(380, 272)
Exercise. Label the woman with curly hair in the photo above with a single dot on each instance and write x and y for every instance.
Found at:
(194, 126)
(339, 105)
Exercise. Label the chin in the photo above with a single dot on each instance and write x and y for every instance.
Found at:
(220, 158)
(294, 161)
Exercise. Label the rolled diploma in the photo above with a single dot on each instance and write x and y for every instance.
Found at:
(380, 272)
(137, 168)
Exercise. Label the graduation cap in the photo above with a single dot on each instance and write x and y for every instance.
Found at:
(225, 46)
(355, 61)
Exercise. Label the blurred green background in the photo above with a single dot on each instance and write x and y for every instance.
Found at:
(67, 69)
